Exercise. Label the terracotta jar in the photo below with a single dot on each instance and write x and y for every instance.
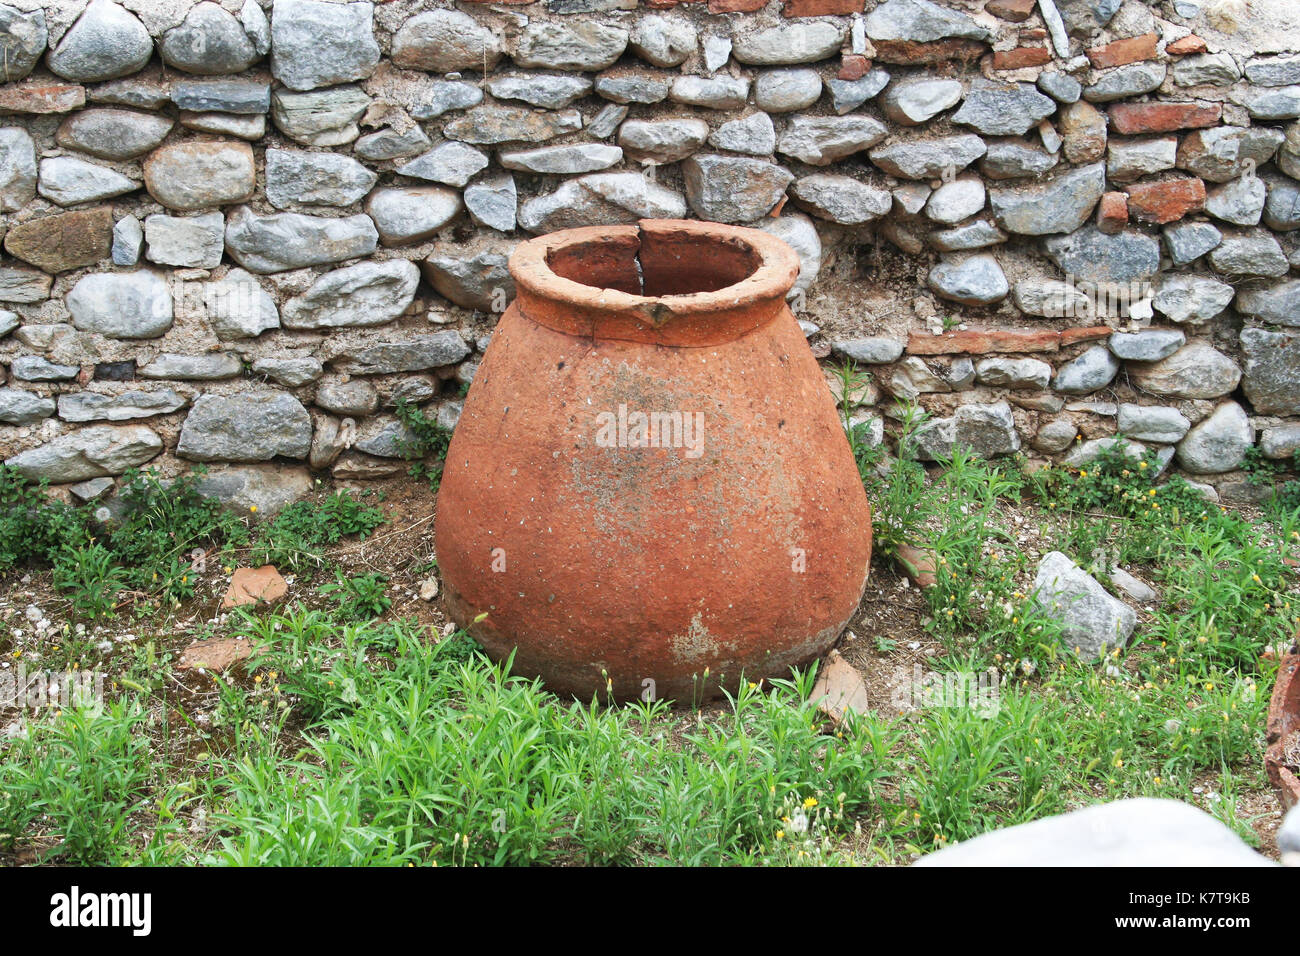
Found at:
(649, 485)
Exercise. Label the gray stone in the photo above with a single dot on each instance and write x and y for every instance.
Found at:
(581, 46)
(805, 41)
(195, 175)
(1050, 298)
(1015, 159)
(1157, 423)
(1268, 104)
(1272, 371)
(1189, 298)
(1122, 82)
(1124, 833)
(1061, 204)
(208, 41)
(733, 188)
(821, 140)
(316, 43)
(601, 199)
(1061, 87)
(449, 162)
(1095, 368)
(784, 91)
(712, 92)
(445, 41)
(111, 133)
(910, 198)
(355, 397)
(1013, 373)
(1281, 441)
(369, 293)
(241, 96)
(1188, 241)
(122, 305)
(1222, 153)
(410, 355)
(479, 280)
(1083, 133)
(985, 430)
(1255, 254)
(237, 307)
(493, 201)
(912, 102)
(94, 452)
(105, 42)
(871, 350)
(1127, 256)
(320, 117)
(604, 123)
(211, 367)
(920, 21)
(1282, 208)
(248, 427)
(1240, 202)
(1055, 436)
(261, 489)
(562, 160)
(489, 125)
(952, 202)
(1147, 345)
(19, 284)
(654, 142)
(391, 144)
(19, 407)
(1091, 620)
(976, 280)
(631, 85)
(34, 368)
(297, 177)
(1218, 443)
(8, 322)
(798, 231)
(1206, 69)
(194, 241)
(1278, 303)
(256, 26)
(753, 135)
(97, 407)
(22, 41)
(663, 41)
(848, 95)
(226, 124)
(547, 90)
(1197, 370)
(1274, 71)
(444, 96)
(289, 372)
(142, 92)
(1003, 109)
(68, 181)
(17, 169)
(1132, 587)
(928, 159)
(1129, 159)
(290, 240)
(385, 437)
(979, 234)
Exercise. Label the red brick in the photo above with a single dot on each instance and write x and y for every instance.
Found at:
(820, 8)
(41, 97)
(1033, 33)
(853, 66)
(1017, 11)
(1188, 44)
(1112, 213)
(1088, 333)
(1021, 57)
(1165, 201)
(736, 6)
(1163, 117)
(906, 52)
(980, 341)
(1121, 52)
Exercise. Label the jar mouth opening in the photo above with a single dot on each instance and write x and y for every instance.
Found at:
(656, 270)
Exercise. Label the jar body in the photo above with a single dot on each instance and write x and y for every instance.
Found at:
(651, 521)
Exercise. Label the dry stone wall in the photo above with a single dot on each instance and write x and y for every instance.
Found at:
(240, 232)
